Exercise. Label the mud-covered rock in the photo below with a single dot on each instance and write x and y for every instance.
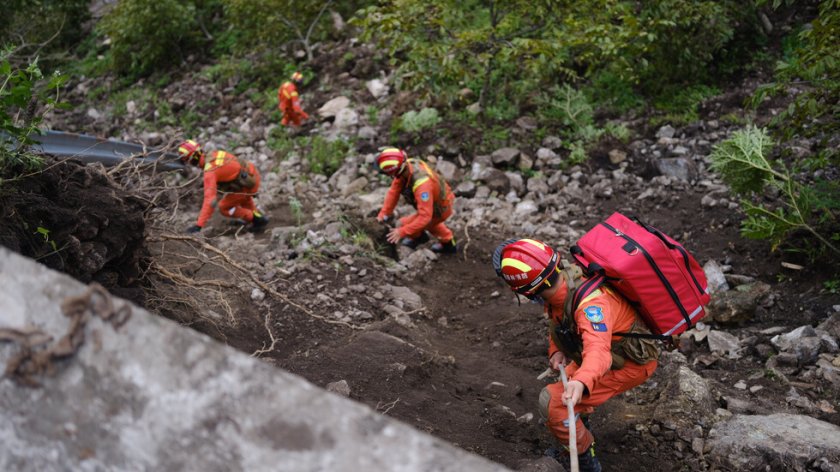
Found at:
(73, 218)
(739, 305)
(684, 396)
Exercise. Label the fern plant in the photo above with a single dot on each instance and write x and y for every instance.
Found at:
(743, 164)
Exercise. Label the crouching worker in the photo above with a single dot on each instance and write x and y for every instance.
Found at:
(427, 192)
(582, 339)
(238, 180)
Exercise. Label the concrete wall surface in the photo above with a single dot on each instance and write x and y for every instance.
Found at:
(154, 396)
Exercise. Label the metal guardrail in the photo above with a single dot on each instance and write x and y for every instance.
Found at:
(109, 152)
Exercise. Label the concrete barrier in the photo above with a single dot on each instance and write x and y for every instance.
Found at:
(152, 395)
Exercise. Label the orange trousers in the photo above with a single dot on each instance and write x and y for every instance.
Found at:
(240, 204)
(611, 384)
(294, 118)
(435, 226)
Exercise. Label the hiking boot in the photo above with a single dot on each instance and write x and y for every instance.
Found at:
(557, 454)
(414, 242)
(259, 222)
(449, 247)
(588, 462)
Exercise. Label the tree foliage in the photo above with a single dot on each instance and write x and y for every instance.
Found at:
(42, 28)
(147, 34)
(811, 69)
(488, 45)
(267, 24)
(22, 91)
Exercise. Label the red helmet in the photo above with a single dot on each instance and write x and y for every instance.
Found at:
(297, 77)
(391, 161)
(190, 152)
(526, 265)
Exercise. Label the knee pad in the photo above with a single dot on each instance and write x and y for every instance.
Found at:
(545, 399)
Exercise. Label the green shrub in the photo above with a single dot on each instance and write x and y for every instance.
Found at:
(46, 28)
(690, 36)
(325, 157)
(280, 141)
(812, 207)
(617, 131)
(22, 91)
(681, 104)
(611, 91)
(811, 62)
(268, 24)
(149, 34)
(413, 122)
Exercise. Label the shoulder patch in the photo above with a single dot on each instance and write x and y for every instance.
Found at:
(600, 327)
(424, 196)
(593, 314)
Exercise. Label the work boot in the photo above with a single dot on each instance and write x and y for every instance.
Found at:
(414, 242)
(259, 222)
(449, 247)
(588, 462)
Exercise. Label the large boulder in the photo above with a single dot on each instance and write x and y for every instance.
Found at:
(495, 180)
(141, 392)
(775, 442)
(332, 107)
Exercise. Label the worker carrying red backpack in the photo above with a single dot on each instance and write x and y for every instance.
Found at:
(606, 341)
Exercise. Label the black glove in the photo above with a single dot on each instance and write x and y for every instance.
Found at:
(193, 229)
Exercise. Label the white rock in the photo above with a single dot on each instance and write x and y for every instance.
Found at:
(257, 295)
(666, 132)
(332, 107)
(377, 88)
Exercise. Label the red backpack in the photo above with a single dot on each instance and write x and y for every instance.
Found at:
(655, 273)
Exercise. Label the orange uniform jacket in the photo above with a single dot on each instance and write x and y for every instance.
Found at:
(425, 195)
(288, 101)
(599, 315)
(220, 166)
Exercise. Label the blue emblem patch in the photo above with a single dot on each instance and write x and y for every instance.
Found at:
(601, 327)
(593, 314)
(424, 196)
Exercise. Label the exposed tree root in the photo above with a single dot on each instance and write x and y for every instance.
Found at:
(264, 287)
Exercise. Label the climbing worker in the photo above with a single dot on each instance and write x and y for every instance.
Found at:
(237, 179)
(599, 364)
(426, 191)
(288, 101)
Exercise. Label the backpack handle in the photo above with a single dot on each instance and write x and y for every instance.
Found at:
(654, 232)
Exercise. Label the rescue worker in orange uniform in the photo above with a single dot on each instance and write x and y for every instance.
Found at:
(223, 171)
(599, 364)
(427, 192)
(288, 101)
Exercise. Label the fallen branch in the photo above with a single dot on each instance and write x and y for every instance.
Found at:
(467, 235)
(270, 335)
(255, 280)
(390, 406)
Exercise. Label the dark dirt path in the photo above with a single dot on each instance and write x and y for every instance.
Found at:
(465, 371)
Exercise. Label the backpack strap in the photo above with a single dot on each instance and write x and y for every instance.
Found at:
(578, 294)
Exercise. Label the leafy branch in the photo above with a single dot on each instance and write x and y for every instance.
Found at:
(743, 164)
